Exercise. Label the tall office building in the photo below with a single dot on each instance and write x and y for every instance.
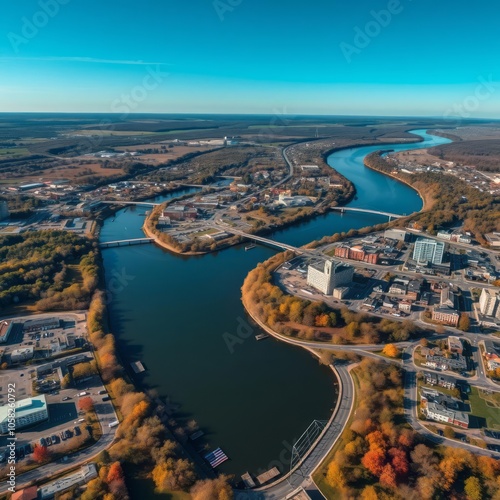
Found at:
(4, 210)
(489, 303)
(427, 250)
(328, 276)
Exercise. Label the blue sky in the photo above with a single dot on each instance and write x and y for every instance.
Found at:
(251, 56)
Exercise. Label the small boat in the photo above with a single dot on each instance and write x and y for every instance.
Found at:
(261, 336)
(249, 247)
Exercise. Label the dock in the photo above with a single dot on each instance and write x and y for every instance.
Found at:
(138, 367)
(261, 336)
(196, 435)
(247, 480)
(267, 476)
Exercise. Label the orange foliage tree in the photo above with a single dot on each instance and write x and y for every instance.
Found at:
(86, 404)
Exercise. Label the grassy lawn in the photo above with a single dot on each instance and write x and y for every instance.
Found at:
(206, 231)
(319, 477)
(485, 407)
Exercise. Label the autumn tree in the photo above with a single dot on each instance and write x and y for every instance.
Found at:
(464, 322)
(212, 489)
(86, 404)
(41, 454)
(388, 476)
(473, 488)
(374, 461)
(391, 351)
(335, 477)
(173, 474)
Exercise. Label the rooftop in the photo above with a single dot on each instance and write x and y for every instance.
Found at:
(24, 407)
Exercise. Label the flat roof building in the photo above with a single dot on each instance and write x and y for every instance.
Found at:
(5, 330)
(446, 316)
(328, 276)
(83, 476)
(22, 354)
(489, 303)
(27, 412)
(427, 250)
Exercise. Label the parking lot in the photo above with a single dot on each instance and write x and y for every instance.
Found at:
(66, 332)
(22, 380)
(65, 421)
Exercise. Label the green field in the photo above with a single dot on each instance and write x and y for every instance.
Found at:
(12, 152)
(484, 406)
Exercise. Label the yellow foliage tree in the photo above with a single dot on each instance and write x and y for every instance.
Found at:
(334, 476)
(391, 350)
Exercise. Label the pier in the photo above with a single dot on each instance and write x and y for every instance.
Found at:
(138, 367)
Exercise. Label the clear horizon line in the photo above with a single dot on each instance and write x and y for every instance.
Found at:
(435, 117)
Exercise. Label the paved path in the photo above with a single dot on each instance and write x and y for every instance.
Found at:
(302, 476)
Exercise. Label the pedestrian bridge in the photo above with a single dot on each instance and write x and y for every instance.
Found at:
(368, 211)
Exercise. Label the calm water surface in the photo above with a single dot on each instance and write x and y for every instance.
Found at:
(172, 313)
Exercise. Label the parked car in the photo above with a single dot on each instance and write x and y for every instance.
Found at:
(27, 449)
(49, 440)
(77, 431)
(66, 398)
(54, 438)
(20, 453)
(68, 434)
(43, 442)
(63, 435)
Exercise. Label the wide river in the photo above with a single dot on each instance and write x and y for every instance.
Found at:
(174, 313)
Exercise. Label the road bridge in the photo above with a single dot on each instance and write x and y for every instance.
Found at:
(261, 239)
(126, 202)
(122, 243)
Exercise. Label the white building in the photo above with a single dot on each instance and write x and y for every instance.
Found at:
(27, 412)
(83, 476)
(328, 276)
(5, 329)
(22, 354)
(427, 250)
(489, 303)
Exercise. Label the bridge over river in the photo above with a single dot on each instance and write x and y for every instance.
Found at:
(368, 211)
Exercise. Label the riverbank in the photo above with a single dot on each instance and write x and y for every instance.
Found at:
(339, 400)
(166, 246)
(427, 201)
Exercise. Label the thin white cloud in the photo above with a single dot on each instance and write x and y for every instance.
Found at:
(90, 60)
